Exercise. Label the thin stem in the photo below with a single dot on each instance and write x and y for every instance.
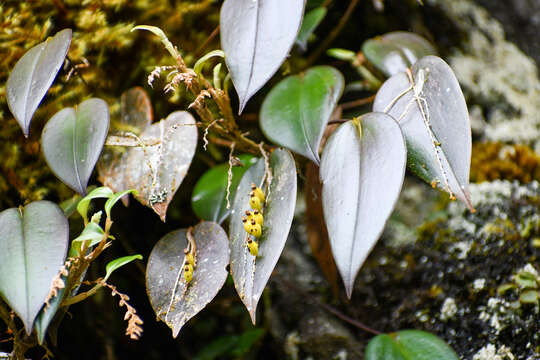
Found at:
(333, 34)
(356, 103)
(203, 46)
(329, 308)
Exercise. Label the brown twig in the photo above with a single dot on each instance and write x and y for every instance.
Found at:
(356, 103)
(330, 309)
(333, 34)
(203, 46)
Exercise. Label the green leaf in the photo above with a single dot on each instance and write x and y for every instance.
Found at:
(297, 110)
(362, 170)
(200, 63)
(251, 274)
(92, 233)
(114, 199)
(69, 206)
(529, 297)
(47, 313)
(409, 345)
(118, 263)
(209, 198)
(33, 245)
(174, 301)
(396, 51)
(156, 171)
(32, 76)
(383, 347)
(434, 119)
(246, 341)
(136, 116)
(100, 192)
(311, 20)
(72, 141)
(256, 38)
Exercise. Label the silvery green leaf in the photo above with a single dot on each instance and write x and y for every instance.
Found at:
(362, 171)
(256, 36)
(434, 119)
(73, 139)
(33, 75)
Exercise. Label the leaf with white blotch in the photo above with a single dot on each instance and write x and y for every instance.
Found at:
(33, 246)
(174, 301)
(256, 37)
(297, 110)
(362, 171)
(409, 344)
(73, 139)
(136, 115)
(156, 171)
(251, 274)
(434, 119)
(396, 51)
(33, 75)
(311, 20)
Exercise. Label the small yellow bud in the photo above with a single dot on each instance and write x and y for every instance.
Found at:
(253, 247)
(257, 215)
(257, 191)
(255, 202)
(255, 229)
(247, 224)
(188, 272)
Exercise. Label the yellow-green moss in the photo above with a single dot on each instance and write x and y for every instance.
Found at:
(492, 160)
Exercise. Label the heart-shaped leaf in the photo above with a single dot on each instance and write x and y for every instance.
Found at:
(136, 116)
(257, 37)
(296, 111)
(396, 51)
(33, 75)
(311, 20)
(250, 273)
(175, 301)
(362, 170)
(72, 141)
(209, 198)
(434, 119)
(156, 171)
(33, 245)
(409, 345)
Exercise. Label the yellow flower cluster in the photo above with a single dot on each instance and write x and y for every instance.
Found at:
(253, 220)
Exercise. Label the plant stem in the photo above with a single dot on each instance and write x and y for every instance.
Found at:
(333, 34)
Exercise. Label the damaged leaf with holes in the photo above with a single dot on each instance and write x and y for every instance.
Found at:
(157, 167)
(135, 116)
(174, 300)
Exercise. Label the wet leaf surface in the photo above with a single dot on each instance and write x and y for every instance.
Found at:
(435, 123)
(251, 274)
(362, 172)
(173, 300)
